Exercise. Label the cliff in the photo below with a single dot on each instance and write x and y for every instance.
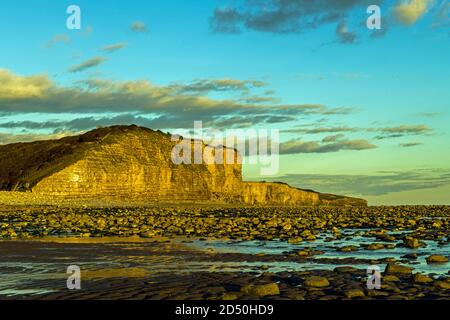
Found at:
(130, 162)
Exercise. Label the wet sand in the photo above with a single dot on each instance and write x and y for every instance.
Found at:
(322, 255)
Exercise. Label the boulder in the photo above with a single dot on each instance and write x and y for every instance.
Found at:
(345, 269)
(354, 293)
(263, 290)
(421, 278)
(435, 258)
(411, 242)
(229, 296)
(390, 278)
(442, 284)
(347, 248)
(316, 282)
(392, 268)
(375, 246)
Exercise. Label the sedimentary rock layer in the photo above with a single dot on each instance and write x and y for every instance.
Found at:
(130, 162)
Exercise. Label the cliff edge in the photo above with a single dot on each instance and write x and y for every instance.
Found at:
(134, 163)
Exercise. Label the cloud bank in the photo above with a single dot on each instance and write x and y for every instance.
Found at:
(299, 146)
(282, 16)
(171, 106)
(370, 185)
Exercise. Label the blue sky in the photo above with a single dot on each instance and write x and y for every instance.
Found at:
(384, 100)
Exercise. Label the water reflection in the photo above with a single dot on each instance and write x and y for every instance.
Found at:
(39, 266)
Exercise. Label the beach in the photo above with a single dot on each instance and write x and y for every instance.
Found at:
(191, 253)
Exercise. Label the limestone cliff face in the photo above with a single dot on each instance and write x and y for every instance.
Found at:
(271, 193)
(135, 163)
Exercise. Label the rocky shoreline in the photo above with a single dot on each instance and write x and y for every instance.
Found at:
(175, 253)
(295, 224)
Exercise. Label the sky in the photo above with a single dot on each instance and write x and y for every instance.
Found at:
(360, 112)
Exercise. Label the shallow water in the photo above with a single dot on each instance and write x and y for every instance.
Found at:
(330, 250)
(37, 267)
